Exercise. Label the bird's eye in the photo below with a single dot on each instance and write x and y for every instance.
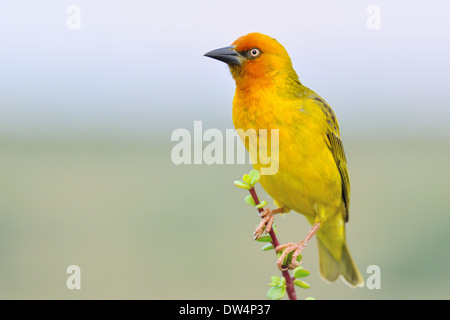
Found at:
(255, 52)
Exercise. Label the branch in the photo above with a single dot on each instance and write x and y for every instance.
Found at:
(285, 284)
(289, 282)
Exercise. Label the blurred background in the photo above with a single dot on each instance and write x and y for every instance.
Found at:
(89, 98)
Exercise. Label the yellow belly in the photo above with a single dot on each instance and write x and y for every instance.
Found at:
(308, 180)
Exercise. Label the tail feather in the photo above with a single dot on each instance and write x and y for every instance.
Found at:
(331, 269)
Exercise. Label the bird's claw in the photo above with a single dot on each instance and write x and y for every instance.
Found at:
(266, 223)
(286, 249)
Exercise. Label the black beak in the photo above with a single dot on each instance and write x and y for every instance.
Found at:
(227, 55)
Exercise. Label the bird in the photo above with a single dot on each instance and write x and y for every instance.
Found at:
(312, 177)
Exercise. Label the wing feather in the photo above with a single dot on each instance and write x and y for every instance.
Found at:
(334, 142)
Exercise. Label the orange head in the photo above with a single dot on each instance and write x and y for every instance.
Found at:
(256, 59)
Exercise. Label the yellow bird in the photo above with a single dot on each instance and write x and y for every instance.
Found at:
(312, 178)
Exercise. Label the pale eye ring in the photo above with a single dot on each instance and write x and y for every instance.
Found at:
(255, 52)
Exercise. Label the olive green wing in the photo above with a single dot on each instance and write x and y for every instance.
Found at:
(334, 142)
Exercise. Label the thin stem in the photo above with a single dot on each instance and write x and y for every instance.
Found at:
(289, 282)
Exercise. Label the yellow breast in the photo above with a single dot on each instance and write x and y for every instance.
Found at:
(307, 177)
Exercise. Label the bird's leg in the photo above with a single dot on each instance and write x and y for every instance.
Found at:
(266, 221)
(296, 248)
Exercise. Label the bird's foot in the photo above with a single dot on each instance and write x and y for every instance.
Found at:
(295, 248)
(266, 221)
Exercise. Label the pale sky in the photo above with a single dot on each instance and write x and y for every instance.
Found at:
(136, 68)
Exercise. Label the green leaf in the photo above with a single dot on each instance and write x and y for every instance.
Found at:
(288, 258)
(278, 289)
(301, 272)
(266, 238)
(254, 175)
(276, 293)
(274, 281)
(267, 247)
(249, 200)
(310, 298)
(282, 282)
(246, 178)
(242, 184)
(261, 205)
(301, 284)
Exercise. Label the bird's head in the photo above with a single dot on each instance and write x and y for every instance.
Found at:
(255, 59)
